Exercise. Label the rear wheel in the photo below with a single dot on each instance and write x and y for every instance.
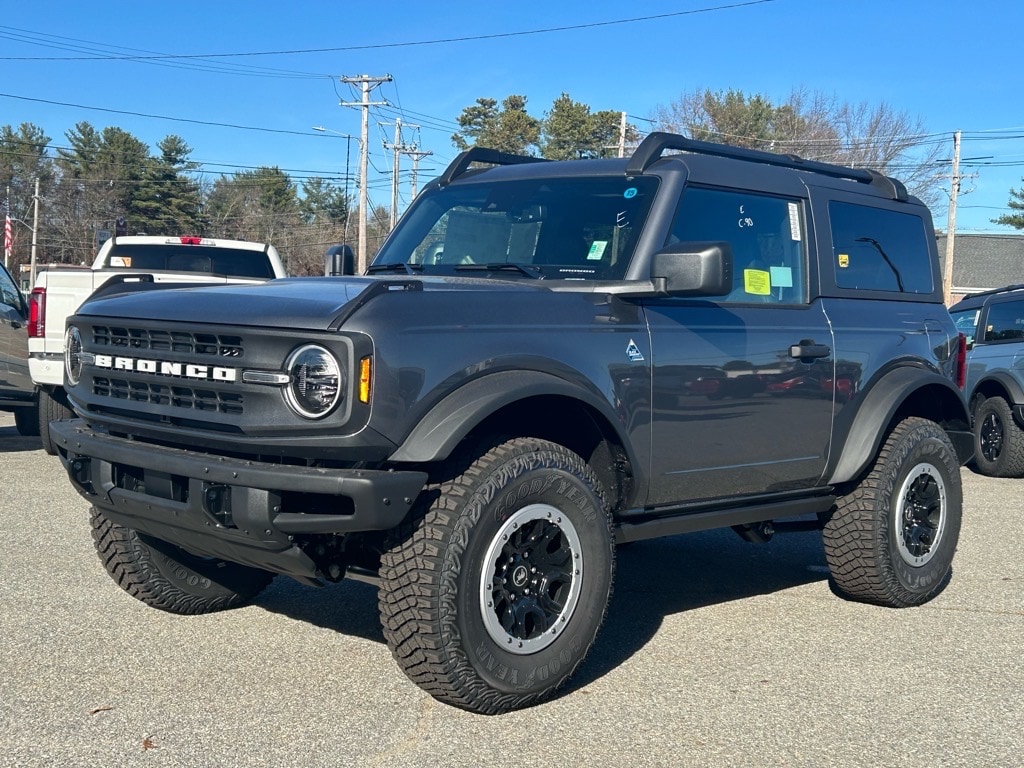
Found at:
(891, 540)
(998, 441)
(494, 592)
(26, 420)
(52, 408)
(167, 577)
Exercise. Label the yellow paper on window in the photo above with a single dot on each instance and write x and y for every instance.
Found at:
(757, 282)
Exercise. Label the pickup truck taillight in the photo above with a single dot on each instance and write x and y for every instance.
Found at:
(37, 313)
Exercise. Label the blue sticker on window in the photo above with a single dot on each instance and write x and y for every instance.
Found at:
(629, 193)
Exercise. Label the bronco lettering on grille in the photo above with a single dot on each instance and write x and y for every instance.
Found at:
(166, 368)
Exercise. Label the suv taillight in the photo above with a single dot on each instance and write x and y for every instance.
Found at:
(37, 313)
(961, 361)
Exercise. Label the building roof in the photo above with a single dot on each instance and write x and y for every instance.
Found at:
(983, 262)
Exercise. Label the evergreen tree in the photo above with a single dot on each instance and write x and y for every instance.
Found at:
(508, 129)
(1016, 205)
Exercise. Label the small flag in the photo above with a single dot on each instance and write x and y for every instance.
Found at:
(8, 237)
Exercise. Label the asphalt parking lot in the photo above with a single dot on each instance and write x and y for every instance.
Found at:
(715, 653)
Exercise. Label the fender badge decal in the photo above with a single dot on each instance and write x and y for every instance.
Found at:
(633, 352)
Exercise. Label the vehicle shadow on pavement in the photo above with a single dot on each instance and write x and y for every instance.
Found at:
(661, 577)
(349, 607)
(654, 579)
(12, 442)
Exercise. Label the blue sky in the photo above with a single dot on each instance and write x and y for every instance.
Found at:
(953, 64)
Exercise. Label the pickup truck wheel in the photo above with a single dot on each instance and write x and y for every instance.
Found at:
(26, 420)
(164, 576)
(493, 593)
(51, 408)
(891, 540)
(998, 441)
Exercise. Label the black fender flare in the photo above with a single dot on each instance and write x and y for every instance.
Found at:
(453, 417)
(1006, 382)
(880, 404)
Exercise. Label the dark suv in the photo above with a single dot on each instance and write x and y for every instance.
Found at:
(17, 392)
(545, 359)
(993, 323)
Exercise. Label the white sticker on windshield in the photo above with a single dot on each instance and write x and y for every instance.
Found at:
(121, 261)
(794, 222)
(596, 252)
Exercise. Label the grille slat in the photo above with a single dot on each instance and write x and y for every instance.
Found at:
(179, 342)
(193, 398)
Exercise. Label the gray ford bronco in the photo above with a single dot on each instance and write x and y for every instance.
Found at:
(993, 322)
(545, 359)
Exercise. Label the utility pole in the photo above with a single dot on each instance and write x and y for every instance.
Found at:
(416, 156)
(368, 83)
(622, 136)
(35, 231)
(947, 276)
(397, 147)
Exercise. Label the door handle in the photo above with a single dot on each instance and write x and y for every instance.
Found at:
(806, 349)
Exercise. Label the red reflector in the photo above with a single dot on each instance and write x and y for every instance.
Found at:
(37, 312)
(191, 240)
(961, 361)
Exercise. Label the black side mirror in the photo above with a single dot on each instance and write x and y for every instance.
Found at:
(693, 269)
(340, 260)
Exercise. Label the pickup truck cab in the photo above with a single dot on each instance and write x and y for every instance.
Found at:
(58, 293)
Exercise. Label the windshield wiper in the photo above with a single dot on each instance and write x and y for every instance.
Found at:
(524, 269)
(395, 266)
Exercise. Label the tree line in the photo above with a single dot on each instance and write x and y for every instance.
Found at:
(108, 179)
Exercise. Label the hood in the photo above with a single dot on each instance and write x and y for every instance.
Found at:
(307, 302)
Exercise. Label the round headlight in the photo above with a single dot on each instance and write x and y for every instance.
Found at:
(317, 381)
(73, 355)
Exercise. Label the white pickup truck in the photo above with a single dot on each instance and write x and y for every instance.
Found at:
(58, 293)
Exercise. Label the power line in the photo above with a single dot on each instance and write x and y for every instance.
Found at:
(405, 44)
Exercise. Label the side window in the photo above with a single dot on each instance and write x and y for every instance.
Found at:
(1005, 321)
(875, 249)
(9, 291)
(767, 238)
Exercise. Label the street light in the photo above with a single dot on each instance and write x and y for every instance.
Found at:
(348, 154)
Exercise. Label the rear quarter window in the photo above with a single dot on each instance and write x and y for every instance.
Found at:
(1005, 321)
(876, 249)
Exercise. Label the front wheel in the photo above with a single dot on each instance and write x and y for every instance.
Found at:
(165, 576)
(891, 540)
(494, 592)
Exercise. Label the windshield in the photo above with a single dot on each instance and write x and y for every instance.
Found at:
(967, 322)
(582, 228)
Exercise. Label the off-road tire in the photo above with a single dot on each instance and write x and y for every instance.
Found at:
(877, 538)
(26, 420)
(51, 409)
(998, 441)
(167, 577)
(486, 517)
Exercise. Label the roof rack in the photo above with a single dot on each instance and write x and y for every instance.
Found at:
(461, 164)
(993, 291)
(652, 147)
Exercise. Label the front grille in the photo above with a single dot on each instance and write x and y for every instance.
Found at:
(179, 342)
(177, 396)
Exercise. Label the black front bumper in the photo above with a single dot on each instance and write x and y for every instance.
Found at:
(236, 509)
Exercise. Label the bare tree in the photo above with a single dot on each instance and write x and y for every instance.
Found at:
(815, 126)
